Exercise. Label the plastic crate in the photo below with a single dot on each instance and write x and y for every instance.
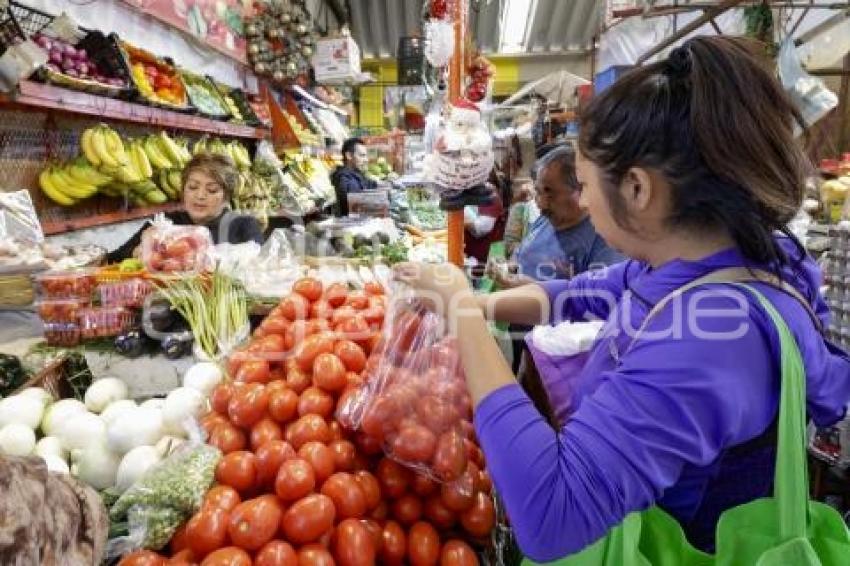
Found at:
(105, 322)
(61, 310)
(411, 61)
(18, 22)
(64, 334)
(609, 76)
(66, 284)
(129, 293)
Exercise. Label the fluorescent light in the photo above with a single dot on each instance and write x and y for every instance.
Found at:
(514, 25)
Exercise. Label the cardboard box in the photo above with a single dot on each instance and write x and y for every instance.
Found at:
(336, 59)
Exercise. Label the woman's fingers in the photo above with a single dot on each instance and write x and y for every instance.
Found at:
(407, 272)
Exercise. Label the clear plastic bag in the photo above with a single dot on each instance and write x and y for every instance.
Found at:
(809, 93)
(168, 248)
(414, 400)
(18, 218)
(164, 497)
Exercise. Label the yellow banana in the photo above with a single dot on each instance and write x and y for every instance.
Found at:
(65, 183)
(101, 149)
(88, 147)
(85, 174)
(170, 149)
(141, 160)
(185, 154)
(200, 146)
(115, 145)
(154, 154)
(45, 181)
(175, 179)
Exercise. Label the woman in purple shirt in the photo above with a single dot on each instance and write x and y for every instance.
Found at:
(688, 165)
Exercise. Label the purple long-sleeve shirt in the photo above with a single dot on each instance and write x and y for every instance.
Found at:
(651, 427)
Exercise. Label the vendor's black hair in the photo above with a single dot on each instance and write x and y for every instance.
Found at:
(714, 121)
(350, 145)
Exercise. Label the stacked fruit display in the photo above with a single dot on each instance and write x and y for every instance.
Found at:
(157, 81)
(112, 167)
(296, 486)
(235, 150)
(204, 96)
(304, 135)
(66, 59)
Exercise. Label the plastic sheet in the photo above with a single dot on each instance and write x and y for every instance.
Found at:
(168, 248)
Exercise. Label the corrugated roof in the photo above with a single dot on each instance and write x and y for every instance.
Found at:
(556, 25)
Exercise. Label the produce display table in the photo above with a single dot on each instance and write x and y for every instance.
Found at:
(146, 376)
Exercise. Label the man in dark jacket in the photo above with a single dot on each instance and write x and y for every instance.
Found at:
(349, 177)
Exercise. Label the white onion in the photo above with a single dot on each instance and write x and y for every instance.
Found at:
(21, 409)
(81, 430)
(141, 426)
(58, 414)
(50, 446)
(103, 392)
(16, 439)
(116, 409)
(203, 376)
(181, 405)
(134, 464)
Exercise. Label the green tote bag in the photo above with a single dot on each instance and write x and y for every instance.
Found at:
(784, 530)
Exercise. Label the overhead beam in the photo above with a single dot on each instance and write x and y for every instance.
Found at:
(708, 15)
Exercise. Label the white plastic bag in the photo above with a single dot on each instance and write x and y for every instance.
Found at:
(809, 93)
(567, 338)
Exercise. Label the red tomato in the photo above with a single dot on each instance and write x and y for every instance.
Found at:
(272, 345)
(315, 401)
(353, 544)
(238, 470)
(309, 288)
(450, 457)
(458, 495)
(275, 325)
(344, 454)
(294, 307)
(380, 512)
(278, 384)
(329, 372)
(438, 514)
(353, 378)
(220, 397)
(253, 523)
(423, 545)
(276, 553)
(283, 405)
(393, 544)
(414, 444)
(317, 326)
(345, 492)
(222, 497)
(253, 372)
(308, 519)
(474, 453)
(367, 444)
(393, 477)
(320, 457)
(407, 509)
(315, 555)
(264, 431)
(206, 531)
(458, 553)
(375, 531)
(336, 294)
(480, 518)
(381, 417)
(228, 556)
(374, 288)
(179, 540)
(370, 487)
(297, 379)
(211, 420)
(423, 486)
(311, 347)
(437, 415)
(484, 483)
(248, 405)
(227, 438)
(373, 343)
(357, 300)
(343, 314)
(309, 428)
(143, 558)
(405, 329)
(295, 479)
(321, 309)
(270, 456)
(183, 558)
(374, 316)
(356, 329)
(351, 355)
(336, 431)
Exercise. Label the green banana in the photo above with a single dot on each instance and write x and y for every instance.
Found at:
(170, 149)
(156, 197)
(155, 155)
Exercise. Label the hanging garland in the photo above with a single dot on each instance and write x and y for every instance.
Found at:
(281, 39)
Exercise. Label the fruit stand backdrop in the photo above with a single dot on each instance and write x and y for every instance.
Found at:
(218, 23)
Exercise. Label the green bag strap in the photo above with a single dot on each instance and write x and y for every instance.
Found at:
(791, 482)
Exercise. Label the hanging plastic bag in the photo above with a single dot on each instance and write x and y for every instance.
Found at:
(18, 218)
(165, 496)
(809, 93)
(414, 400)
(559, 354)
(168, 248)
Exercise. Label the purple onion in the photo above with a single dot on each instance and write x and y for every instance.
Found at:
(44, 42)
(56, 57)
(72, 73)
(83, 68)
(68, 64)
(70, 52)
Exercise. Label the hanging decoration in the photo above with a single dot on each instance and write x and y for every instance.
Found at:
(439, 33)
(480, 72)
(462, 156)
(281, 39)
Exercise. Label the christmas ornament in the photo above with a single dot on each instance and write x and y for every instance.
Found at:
(280, 39)
(439, 42)
(462, 156)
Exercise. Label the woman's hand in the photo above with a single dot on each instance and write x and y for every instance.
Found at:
(443, 286)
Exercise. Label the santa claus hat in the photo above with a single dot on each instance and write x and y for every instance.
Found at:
(466, 104)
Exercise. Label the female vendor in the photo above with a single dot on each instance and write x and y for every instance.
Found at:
(208, 184)
(688, 166)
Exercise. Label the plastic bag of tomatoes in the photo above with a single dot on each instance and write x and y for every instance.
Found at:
(168, 248)
(414, 399)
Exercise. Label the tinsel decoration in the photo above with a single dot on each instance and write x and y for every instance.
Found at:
(281, 39)
(439, 42)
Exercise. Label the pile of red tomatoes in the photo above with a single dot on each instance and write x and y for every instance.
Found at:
(296, 486)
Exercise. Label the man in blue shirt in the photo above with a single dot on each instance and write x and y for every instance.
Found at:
(562, 242)
(349, 177)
